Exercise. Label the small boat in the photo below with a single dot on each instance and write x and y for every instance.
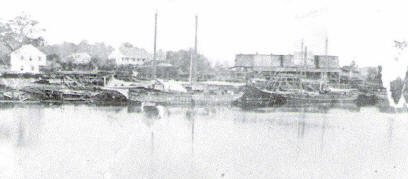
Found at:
(148, 107)
(16, 95)
(110, 97)
(367, 98)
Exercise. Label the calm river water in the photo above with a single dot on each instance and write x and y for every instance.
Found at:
(80, 141)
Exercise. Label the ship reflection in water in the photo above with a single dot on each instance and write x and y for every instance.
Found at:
(83, 141)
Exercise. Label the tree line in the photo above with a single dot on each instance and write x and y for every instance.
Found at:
(23, 30)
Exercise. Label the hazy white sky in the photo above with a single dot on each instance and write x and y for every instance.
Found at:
(361, 30)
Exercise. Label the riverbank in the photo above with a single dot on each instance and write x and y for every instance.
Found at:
(104, 88)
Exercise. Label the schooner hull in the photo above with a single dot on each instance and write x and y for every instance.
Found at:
(322, 98)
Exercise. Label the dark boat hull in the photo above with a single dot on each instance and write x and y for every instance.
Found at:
(254, 97)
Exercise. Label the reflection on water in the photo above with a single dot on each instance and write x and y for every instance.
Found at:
(79, 141)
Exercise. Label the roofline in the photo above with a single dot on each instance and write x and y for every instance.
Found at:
(13, 52)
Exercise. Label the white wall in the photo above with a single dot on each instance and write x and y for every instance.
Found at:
(23, 64)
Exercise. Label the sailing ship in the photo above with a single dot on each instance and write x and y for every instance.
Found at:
(180, 93)
(299, 90)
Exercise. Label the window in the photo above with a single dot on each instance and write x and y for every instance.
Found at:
(22, 57)
(32, 68)
(39, 58)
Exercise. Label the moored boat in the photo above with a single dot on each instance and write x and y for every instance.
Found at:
(142, 94)
(161, 92)
(255, 97)
(298, 90)
(303, 96)
(216, 92)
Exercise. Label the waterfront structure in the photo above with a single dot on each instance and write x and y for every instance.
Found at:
(304, 58)
(130, 56)
(27, 59)
(268, 65)
(351, 74)
(257, 61)
(326, 61)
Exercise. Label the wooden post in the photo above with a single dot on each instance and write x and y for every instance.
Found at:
(338, 77)
(104, 81)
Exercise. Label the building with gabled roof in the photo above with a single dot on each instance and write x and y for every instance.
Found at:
(130, 56)
(27, 59)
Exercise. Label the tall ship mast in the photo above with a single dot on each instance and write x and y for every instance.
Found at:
(154, 47)
(327, 58)
(193, 56)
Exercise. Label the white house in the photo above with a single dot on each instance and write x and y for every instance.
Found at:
(27, 59)
(130, 56)
(80, 58)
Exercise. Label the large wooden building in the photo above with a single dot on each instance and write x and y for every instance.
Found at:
(27, 59)
(267, 65)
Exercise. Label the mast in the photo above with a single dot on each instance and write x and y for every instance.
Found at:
(194, 54)
(154, 47)
(326, 56)
(301, 47)
(190, 78)
(195, 40)
(302, 53)
(305, 61)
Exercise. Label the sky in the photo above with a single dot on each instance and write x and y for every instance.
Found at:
(362, 31)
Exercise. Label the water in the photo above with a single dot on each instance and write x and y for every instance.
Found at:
(68, 141)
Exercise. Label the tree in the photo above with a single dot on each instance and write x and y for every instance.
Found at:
(4, 55)
(53, 63)
(103, 64)
(19, 31)
(182, 59)
(353, 64)
(99, 53)
(127, 45)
